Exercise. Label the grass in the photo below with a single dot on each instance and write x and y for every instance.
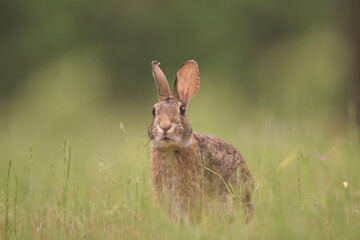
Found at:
(299, 167)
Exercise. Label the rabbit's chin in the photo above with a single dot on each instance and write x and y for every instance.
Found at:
(175, 141)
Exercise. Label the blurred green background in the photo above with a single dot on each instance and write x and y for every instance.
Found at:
(288, 56)
(275, 76)
(69, 67)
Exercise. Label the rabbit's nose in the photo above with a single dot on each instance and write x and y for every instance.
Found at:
(166, 129)
(165, 125)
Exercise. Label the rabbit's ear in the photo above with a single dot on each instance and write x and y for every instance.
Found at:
(162, 84)
(187, 82)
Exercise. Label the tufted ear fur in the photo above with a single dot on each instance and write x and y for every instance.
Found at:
(187, 82)
(162, 84)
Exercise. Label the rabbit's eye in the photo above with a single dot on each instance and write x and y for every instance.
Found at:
(182, 110)
(154, 112)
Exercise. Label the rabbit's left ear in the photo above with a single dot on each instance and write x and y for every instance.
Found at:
(187, 82)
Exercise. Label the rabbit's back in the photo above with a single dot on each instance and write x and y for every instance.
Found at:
(222, 159)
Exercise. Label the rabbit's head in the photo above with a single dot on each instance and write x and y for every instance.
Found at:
(169, 126)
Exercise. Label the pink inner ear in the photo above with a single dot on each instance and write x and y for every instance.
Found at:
(182, 94)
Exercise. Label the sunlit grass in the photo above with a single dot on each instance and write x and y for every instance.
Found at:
(305, 168)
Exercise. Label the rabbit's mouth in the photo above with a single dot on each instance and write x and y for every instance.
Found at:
(166, 139)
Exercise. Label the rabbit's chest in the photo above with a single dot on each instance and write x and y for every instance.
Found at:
(174, 174)
(169, 171)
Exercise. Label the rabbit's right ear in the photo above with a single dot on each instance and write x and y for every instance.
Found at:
(162, 84)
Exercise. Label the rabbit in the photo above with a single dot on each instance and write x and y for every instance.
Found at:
(187, 168)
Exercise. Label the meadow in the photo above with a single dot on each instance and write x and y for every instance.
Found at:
(73, 167)
(278, 80)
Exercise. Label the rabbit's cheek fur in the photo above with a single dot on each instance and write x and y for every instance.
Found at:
(177, 135)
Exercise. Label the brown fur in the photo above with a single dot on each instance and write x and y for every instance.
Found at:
(180, 159)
